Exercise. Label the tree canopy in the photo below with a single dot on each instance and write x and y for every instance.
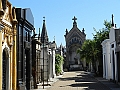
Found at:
(91, 50)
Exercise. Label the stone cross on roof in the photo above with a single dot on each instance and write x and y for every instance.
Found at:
(74, 19)
(74, 23)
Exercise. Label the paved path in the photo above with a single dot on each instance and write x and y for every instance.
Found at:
(78, 81)
(109, 84)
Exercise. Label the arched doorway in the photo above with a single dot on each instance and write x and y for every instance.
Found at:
(5, 69)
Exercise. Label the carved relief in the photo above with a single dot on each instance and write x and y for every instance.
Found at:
(7, 35)
(9, 24)
(8, 17)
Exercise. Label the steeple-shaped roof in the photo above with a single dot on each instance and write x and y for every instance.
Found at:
(44, 36)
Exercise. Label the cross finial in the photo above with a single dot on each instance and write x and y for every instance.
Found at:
(112, 20)
(74, 19)
(74, 23)
(83, 30)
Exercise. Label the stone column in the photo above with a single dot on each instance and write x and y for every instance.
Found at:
(50, 65)
(1, 27)
(53, 59)
(11, 63)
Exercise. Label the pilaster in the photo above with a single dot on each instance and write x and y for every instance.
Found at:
(14, 82)
(11, 71)
(1, 27)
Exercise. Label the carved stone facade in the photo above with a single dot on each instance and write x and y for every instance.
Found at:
(74, 40)
(8, 67)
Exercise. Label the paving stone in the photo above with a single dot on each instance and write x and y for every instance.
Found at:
(80, 80)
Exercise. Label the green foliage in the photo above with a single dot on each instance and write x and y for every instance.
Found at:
(107, 25)
(88, 50)
(100, 36)
(58, 62)
(92, 49)
(57, 68)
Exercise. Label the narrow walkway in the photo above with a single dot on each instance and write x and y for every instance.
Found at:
(78, 80)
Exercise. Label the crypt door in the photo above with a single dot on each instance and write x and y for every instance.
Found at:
(5, 69)
(28, 72)
(118, 67)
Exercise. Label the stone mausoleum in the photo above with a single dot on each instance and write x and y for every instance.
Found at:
(74, 40)
(8, 63)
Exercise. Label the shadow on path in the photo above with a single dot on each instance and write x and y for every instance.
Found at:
(86, 81)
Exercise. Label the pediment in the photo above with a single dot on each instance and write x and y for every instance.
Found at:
(75, 37)
(73, 33)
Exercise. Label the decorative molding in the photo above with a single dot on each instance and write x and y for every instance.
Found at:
(1, 27)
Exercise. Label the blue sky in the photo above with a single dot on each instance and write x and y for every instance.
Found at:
(59, 13)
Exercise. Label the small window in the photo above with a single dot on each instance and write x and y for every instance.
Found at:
(112, 46)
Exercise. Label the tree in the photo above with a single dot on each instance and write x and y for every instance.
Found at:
(58, 63)
(100, 36)
(88, 52)
(91, 50)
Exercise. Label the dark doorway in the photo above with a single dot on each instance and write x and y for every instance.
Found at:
(118, 67)
(105, 66)
(27, 52)
(5, 69)
(113, 58)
